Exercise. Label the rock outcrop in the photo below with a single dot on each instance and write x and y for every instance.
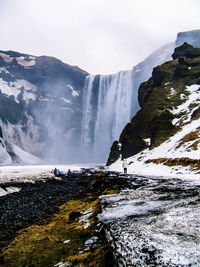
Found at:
(161, 97)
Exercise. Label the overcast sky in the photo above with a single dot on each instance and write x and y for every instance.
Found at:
(99, 36)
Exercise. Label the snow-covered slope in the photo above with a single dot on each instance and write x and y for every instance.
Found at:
(60, 113)
(171, 127)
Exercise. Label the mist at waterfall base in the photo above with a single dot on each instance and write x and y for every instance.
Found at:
(83, 129)
(109, 103)
(61, 137)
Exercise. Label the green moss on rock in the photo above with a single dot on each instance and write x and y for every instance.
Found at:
(61, 239)
(158, 97)
(186, 50)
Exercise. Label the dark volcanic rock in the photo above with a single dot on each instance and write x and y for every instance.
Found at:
(115, 153)
(154, 120)
(186, 50)
(39, 201)
(33, 203)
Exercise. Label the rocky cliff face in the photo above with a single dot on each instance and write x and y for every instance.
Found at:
(59, 113)
(169, 101)
(40, 97)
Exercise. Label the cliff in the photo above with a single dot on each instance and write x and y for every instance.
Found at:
(169, 103)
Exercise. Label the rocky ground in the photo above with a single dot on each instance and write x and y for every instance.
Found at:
(158, 224)
(101, 219)
(36, 202)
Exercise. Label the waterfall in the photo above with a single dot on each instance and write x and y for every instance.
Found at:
(109, 102)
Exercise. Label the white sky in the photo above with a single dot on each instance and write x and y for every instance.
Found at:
(99, 36)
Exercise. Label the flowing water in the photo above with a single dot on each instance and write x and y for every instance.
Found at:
(156, 223)
(110, 101)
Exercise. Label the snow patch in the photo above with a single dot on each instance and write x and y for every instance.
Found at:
(3, 192)
(25, 156)
(25, 62)
(27, 96)
(65, 100)
(12, 189)
(24, 83)
(15, 88)
(9, 90)
(172, 91)
(32, 173)
(193, 97)
(168, 149)
(6, 58)
(121, 210)
(74, 92)
(86, 215)
(148, 141)
(67, 241)
(3, 70)
(5, 158)
(8, 190)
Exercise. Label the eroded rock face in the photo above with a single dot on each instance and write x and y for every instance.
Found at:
(41, 100)
(158, 97)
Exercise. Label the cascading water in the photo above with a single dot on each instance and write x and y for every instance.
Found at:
(110, 101)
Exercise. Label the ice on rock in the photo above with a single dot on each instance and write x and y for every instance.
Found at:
(129, 209)
(146, 231)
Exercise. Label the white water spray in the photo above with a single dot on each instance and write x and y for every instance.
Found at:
(110, 101)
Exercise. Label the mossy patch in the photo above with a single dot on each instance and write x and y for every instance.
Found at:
(158, 98)
(185, 162)
(192, 136)
(62, 240)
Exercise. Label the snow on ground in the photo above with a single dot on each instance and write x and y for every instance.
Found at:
(192, 98)
(168, 149)
(173, 147)
(25, 156)
(148, 224)
(31, 173)
(194, 94)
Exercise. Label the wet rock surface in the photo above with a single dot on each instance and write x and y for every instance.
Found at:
(156, 224)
